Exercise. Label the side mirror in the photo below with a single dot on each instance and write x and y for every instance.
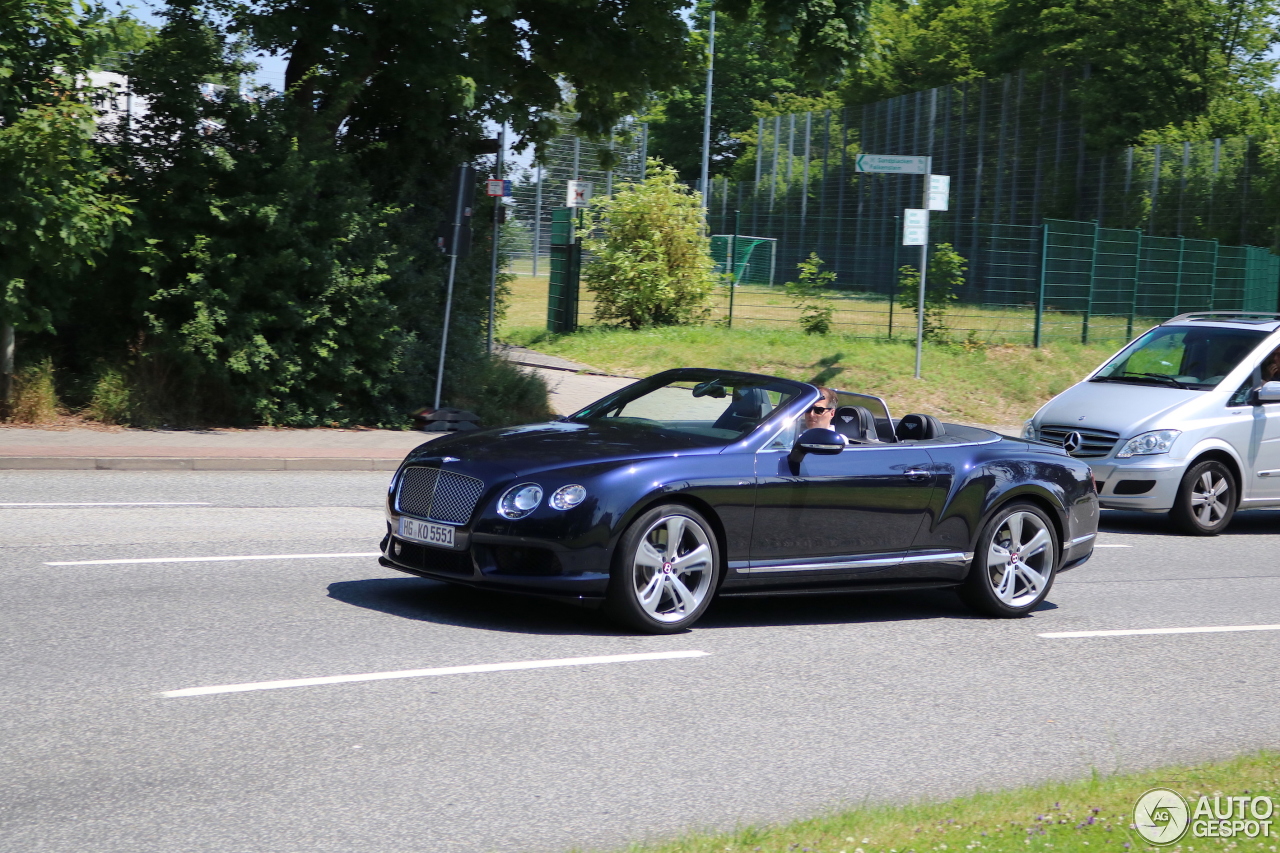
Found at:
(1267, 392)
(819, 440)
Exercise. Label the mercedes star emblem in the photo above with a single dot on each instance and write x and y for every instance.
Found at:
(1072, 442)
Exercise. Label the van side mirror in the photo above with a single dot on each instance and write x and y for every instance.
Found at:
(1267, 392)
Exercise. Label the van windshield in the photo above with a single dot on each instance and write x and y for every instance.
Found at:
(1181, 357)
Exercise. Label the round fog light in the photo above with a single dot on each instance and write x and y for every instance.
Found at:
(567, 497)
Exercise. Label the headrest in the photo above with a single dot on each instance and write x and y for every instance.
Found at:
(918, 428)
(855, 422)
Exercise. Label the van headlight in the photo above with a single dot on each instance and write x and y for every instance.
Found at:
(520, 500)
(1029, 430)
(1149, 443)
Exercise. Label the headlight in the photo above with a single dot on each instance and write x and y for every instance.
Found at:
(1149, 443)
(520, 500)
(567, 497)
(1029, 430)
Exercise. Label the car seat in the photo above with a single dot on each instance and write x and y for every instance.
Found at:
(749, 407)
(855, 423)
(918, 428)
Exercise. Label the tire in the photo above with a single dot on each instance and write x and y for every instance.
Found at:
(1207, 499)
(1014, 564)
(650, 591)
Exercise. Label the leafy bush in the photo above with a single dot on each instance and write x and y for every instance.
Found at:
(502, 394)
(111, 400)
(651, 263)
(35, 400)
(945, 275)
(807, 294)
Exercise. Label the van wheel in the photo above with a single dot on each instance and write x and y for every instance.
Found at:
(1206, 499)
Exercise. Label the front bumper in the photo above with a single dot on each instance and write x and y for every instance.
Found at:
(1144, 484)
(512, 563)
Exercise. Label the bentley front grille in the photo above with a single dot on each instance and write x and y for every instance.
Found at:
(443, 496)
(1091, 444)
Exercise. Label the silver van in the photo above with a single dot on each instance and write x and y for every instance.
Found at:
(1183, 420)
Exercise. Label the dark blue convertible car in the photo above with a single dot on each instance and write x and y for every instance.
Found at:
(695, 483)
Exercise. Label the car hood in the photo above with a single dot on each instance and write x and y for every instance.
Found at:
(1116, 406)
(537, 447)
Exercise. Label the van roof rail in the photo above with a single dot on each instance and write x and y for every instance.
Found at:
(1261, 316)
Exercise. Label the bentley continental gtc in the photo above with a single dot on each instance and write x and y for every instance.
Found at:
(697, 483)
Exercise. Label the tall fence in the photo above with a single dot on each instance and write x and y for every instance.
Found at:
(1061, 280)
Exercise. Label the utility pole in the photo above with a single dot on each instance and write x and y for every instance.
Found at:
(497, 230)
(706, 113)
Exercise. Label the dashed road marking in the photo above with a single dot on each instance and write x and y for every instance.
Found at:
(422, 673)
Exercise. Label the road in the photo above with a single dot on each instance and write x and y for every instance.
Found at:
(796, 705)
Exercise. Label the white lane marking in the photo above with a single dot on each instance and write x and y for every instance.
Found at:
(1100, 545)
(120, 503)
(214, 559)
(421, 673)
(1062, 635)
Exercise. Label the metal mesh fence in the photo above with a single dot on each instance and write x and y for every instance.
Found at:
(539, 190)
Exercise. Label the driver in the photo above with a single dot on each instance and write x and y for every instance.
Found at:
(821, 413)
(1271, 366)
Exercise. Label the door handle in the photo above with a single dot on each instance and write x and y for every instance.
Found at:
(917, 474)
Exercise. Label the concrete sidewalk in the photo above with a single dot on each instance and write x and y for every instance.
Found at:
(572, 386)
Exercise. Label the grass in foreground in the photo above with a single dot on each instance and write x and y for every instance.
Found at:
(1091, 816)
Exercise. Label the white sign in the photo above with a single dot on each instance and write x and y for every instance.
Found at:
(579, 194)
(939, 191)
(895, 164)
(915, 227)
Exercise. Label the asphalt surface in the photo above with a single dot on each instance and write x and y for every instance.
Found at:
(798, 705)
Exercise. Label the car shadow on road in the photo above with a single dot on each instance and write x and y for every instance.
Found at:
(841, 608)
(1246, 523)
(448, 604)
(445, 604)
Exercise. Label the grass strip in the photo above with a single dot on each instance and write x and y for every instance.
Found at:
(1087, 816)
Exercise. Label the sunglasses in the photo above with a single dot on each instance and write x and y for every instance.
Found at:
(821, 410)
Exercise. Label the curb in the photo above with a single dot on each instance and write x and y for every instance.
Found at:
(195, 463)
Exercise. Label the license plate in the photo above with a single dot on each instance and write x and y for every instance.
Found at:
(426, 532)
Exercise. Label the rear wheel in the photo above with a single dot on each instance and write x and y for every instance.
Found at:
(1013, 567)
(1206, 499)
(664, 571)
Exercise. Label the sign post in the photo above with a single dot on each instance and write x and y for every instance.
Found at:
(915, 221)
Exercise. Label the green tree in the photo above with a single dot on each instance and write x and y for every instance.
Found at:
(650, 257)
(755, 74)
(945, 275)
(808, 294)
(58, 203)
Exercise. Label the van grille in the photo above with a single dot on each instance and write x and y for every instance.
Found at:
(443, 496)
(1094, 442)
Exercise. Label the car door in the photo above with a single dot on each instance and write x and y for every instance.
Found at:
(1262, 454)
(855, 511)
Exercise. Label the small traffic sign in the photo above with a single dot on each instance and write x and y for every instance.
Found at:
(915, 227)
(896, 164)
(494, 188)
(939, 191)
(579, 194)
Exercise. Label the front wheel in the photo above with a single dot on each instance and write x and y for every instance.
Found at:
(664, 571)
(1013, 567)
(1206, 499)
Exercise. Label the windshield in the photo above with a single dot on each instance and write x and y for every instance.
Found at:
(707, 403)
(1181, 357)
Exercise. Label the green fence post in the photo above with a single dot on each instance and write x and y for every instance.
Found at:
(733, 264)
(1177, 285)
(1044, 263)
(1088, 303)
